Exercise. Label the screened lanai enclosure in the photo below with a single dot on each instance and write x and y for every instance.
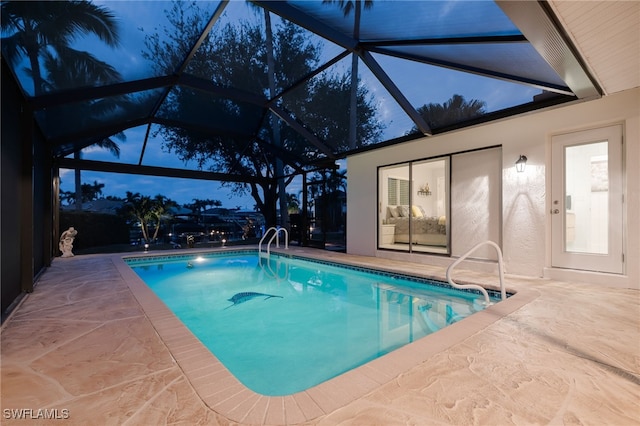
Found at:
(255, 94)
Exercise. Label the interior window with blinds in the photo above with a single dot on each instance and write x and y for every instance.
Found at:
(398, 191)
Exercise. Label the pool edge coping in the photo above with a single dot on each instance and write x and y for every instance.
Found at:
(223, 393)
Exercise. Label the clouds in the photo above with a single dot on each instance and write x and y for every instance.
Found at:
(419, 82)
(180, 190)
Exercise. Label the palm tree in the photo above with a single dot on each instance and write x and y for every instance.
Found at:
(455, 110)
(85, 70)
(108, 144)
(67, 197)
(148, 211)
(40, 28)
(347, 6)
(140, 208)
(36, 27)
(76, 69)
(336, 181)
(199, 206)
(160, 206)
(91, 192)
(293, 203)
(328, 193)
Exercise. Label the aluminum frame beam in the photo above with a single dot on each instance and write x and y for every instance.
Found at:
(134, 169)
(393, 90)
(287, 118)
(285, 10)
(564, 90)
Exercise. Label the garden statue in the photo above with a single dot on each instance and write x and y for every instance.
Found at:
(66, 242)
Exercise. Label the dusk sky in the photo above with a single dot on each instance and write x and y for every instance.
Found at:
(420, 83)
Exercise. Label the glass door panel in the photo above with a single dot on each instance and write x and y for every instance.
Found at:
(587, 190)
(393, 207)
(430, 204)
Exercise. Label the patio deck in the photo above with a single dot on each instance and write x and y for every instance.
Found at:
(89, 347)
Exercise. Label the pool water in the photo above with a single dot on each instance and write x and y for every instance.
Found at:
(323, 321)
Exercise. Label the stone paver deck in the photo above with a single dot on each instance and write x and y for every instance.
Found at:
(93, 346)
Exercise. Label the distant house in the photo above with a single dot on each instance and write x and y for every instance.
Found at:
(101, 205)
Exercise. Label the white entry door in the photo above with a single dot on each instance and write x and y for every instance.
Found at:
(587, 200)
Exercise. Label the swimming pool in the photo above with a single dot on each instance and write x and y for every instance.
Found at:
(284, 325)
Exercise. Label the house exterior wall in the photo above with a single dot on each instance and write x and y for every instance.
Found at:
(526, 235)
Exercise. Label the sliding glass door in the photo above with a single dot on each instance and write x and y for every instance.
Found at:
(413, 204)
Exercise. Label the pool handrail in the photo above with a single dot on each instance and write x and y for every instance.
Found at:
(274, 274)
(263, 237)
(276, 236)
(503, 292)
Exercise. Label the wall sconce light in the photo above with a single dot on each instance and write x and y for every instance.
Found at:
(521, 163)
(424, 190)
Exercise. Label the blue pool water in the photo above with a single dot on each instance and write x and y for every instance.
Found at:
(325, 320)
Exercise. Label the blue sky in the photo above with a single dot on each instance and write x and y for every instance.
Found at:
(182, 191)
(419, 82)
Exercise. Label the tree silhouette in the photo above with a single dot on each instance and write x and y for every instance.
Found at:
(160, 212)
(454, 110)
(147, 211)
(293, 203)
(347, 6)
(326, 193)
(275, 125)
(78, 69)
(43, 32)
(35, 27)
(91, 192)
(139, 207)
(199, 206)
(236, 56)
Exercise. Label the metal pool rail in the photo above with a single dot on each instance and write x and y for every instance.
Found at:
(275, 235)
(475, 286)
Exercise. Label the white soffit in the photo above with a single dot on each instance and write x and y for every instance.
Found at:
(607, 37)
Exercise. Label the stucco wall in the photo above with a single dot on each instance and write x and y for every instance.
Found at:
(525, 204)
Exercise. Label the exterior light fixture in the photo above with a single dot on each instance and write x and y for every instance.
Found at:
(146, 247)
(521, 163)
